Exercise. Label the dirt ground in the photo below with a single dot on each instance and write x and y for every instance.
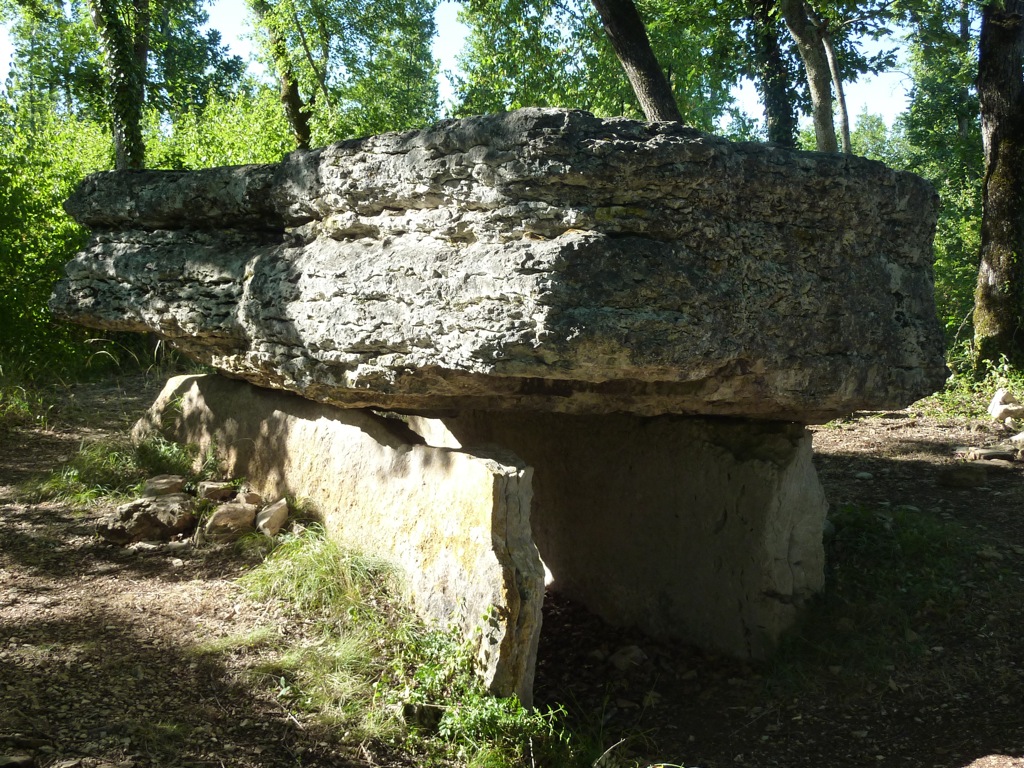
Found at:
(98, 660)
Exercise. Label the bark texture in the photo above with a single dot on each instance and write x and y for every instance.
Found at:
(810, 42)
(291, 98)
(628, 37)
(540, 259)
(999, 297)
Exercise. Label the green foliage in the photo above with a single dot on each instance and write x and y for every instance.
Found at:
(363, 67)
(246, 127)
(555, 53)
(968, 391)
(41, 161)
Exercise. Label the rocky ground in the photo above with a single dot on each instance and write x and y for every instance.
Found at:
(102, 662)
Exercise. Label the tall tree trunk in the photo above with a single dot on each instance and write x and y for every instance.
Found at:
(628, 37)
(294, 107)
(819, 77)
(999, 296)
(773, 75)
(124, 34)
(837, 83)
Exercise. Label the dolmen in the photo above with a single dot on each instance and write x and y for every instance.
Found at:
(534, 347)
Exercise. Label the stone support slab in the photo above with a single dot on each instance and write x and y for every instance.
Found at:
(705, 530)
(456, 522)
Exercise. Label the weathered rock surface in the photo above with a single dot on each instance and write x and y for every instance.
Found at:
(163, 485)
(156, 518)
(231, 521)
(540, 260)
(456, 522)
(272, 517)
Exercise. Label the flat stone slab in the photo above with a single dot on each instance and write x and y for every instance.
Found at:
(455, 522)
(538, 260)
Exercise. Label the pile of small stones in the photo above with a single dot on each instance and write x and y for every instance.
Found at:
(977, 463)
(165, 512)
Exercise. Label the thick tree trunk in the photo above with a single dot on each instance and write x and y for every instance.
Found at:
(773, 75)
(999, 296)
(295, 108)
(809, 42)
(628, 37)
(125, 41)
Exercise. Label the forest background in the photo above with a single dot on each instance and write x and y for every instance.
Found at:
(99, 84)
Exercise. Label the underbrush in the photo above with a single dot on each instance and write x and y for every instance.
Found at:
(967, 393)
(366, 665)
(112, 469)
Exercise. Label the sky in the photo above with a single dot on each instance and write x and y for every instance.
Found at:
(885, 94)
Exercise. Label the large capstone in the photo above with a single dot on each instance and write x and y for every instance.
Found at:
(538, 260)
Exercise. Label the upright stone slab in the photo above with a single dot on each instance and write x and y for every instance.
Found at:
(707, 531)
(457, 523)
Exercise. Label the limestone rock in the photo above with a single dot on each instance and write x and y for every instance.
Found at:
(230, 522)
(158, 518)
(456, 523)
(272, 517)
(1005, 406)
(707, 531)
(215, 491)
(162, 485)
(540, 259)
(250, 497)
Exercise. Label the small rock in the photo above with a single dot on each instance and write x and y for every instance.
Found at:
(215, 491)
(157, 518)
(988, 454)
(163, 485)
(1005, 406)
(249, 497)
(17, 761)
(231, 521)
(627, 658)
(966, 475)
(272, 517)
(1018, 439)
(864, 476)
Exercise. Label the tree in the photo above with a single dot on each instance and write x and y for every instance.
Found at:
(123, 27)
(999, 297)
(356, 67)
(628, 37)
(772, 73)
(810, 41)
(556, 53)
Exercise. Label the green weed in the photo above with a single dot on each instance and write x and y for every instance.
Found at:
(375, 669)
(968, 393)
(114, 468)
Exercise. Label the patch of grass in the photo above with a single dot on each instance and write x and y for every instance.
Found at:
(968, 393)
(313, 576)
(374, 669)
(22, 407)
(114, 468)
(257, 638)
(894, 581)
